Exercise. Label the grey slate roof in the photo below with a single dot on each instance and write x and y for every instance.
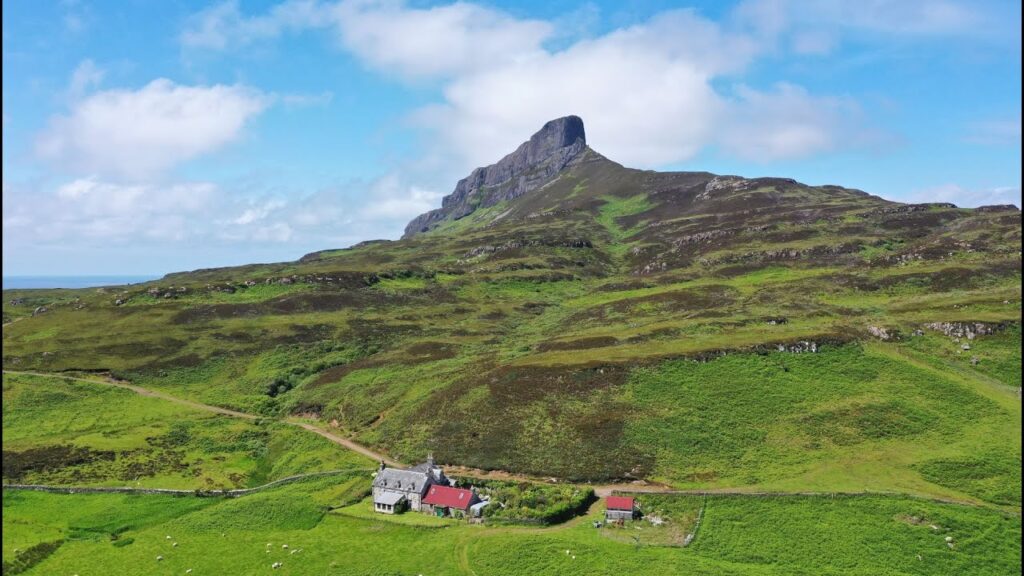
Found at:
(390, 498)
(403, 480)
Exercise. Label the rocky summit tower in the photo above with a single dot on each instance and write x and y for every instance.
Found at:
(534, 163)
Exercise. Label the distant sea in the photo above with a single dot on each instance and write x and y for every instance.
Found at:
(13, 282)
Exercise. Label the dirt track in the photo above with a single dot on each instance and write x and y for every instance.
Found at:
(602, 491)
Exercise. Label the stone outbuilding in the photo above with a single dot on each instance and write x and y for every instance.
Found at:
(620, 508)
(448, 501)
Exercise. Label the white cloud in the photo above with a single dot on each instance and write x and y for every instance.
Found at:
(223, 25)
(258, 211)
(86, 76)
(647, 92)
(817, 27)
(408, 42)
(91, 210)
(644, 92)
(1004, 131)
(785, 122)
(917, 17)
(391, 199)
(968, 197)
(438, 41)
(137, 134)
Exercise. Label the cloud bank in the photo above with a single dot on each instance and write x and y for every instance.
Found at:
(139, 134)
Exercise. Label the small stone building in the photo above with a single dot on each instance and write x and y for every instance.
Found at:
(395, 489)
(620, 508)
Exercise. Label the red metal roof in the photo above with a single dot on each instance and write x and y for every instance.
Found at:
(619, 503)
(449, 497)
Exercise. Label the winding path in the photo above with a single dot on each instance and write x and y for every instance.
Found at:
(600, 490)
(340, 440)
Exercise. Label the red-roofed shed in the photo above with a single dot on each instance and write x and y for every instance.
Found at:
(620, 508)
(447, 498)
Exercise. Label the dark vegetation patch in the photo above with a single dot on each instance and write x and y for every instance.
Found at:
(165, 346)
(536, 278)
(920, 223)
(789, 235)
(654, 335)
(279, 386)
(533, 307)
(432, 351)
(952, 278)
(624, 286)
(858, 423)
(522, 384)
(994, 477)
(372, 336)
(690, 299)
(239, 336)
(564, 422)
(17, 465)
(737, 270)
(579, 344)
(305, 333)
(301, 303)
(824, 254)
(26, 559)
(529, 502)
(190, 360)
(336, 373)
(62, 464)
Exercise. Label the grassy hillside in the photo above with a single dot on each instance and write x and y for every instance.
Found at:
(739, 535)
(698, 330)
(58, 432)
(704, 332)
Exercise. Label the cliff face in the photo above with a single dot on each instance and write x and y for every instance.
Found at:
(535, 163)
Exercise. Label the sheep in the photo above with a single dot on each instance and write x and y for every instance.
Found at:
(174, 545)
(159, 558)
(189, 571)
(285, 546)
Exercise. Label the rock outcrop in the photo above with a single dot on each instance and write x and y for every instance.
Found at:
(535, 163)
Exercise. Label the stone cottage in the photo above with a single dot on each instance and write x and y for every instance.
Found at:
(396, 489)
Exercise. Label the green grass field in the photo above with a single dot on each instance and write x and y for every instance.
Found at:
(739, 535)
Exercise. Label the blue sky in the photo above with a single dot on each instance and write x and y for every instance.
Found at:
(143, 137)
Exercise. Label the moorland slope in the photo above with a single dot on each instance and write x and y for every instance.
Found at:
(563, 315)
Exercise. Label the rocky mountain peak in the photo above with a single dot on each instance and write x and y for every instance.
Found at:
(534, 163)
